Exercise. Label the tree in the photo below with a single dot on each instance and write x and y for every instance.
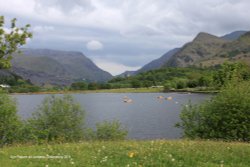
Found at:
(9, 121)
(136, 83)
(226, 116)
(57, 119)
(92, 86)
(79, 86)
(231, 71)
(11, 41)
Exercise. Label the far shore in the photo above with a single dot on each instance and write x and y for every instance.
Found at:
(123, 90)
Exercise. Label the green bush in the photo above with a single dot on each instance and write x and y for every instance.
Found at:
(167, 86)
(231, 72)
(79, 86)
(57, 119)
(226, 116)
(110, 131)
(181, 84)
(9, 121)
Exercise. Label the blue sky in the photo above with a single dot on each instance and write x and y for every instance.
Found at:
(121, 35)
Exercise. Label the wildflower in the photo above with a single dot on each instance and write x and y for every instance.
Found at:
(104, 159)
(131, 154)
(72, 162)
(172, 159)
(46, 165)
(221, 163)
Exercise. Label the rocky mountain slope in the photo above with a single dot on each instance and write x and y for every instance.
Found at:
(204, 50)
(209, 50)
(52, 67)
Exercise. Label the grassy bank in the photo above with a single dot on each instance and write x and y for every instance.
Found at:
(158, 153)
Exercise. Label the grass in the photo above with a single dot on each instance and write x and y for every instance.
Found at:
(158, 153)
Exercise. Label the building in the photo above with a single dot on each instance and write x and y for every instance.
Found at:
(4, 86)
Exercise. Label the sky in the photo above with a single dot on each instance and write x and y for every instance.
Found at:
(120, 35)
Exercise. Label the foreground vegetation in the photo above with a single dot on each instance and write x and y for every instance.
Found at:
(159, 153)
(225, 116)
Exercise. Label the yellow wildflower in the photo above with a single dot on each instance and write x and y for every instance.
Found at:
(131, 154)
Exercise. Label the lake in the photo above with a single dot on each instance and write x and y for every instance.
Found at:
(146, 117)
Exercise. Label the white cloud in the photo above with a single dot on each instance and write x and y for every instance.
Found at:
(147, 25)
(94, 45)
(113, 67)
(41, 29)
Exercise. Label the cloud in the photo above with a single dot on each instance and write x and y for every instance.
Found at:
(66, 6)
(142, 30)
(42, 29)
(113, 67)
(94, 45)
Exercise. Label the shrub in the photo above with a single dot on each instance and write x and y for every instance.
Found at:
(79, 86)
(181, 84)
(9, 121)
(226, 116)
(136, 83)
(167, 86)
(231, 72)
(57, 119)
(110, 131)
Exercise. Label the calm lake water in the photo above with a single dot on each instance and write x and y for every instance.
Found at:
(147, 117)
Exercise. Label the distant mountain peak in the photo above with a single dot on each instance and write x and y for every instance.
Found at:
(205, 37)
(234, 35)
(246, 34)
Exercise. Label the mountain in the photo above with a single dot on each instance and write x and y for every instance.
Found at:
(127, 74)
(237, 50)
(158, 63)
(202, 47)
(53, 67)
(155, 64)
(233, 35)
(209, 50)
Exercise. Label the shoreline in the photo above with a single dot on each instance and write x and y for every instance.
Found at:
(122, 90)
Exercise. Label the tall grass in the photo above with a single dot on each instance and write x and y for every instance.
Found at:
(159, 153)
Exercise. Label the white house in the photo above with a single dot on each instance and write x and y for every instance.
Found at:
(4, 86)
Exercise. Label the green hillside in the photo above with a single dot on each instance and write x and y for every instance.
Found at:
(208, 50)
(52, 67)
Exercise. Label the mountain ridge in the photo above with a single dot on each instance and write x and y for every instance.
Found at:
(56, 67)
(210, 50)
(203, 42)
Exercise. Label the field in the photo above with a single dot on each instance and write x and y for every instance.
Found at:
(158, 153)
